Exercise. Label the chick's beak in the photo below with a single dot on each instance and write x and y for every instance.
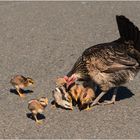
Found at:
(33, 85)
(46, 101)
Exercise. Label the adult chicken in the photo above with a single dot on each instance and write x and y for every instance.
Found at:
(112, 64)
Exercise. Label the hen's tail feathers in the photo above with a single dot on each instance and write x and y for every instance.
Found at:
(128, 31)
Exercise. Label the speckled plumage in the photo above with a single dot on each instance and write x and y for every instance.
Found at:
(111, 64)
(83, 93)
(37, 106)
(20, 82)
(62, 97)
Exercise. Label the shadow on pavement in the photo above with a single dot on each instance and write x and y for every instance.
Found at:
(22, 91)
(123, 93)
(39, 116)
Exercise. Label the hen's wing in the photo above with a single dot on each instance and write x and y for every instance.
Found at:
(109, 58)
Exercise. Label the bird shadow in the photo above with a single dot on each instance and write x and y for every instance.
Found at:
(122, 93)
(39, 116)
(22, 91)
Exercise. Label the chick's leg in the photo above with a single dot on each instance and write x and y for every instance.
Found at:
(113, 99)
(96, 101)
(20, 94)
(54, 105)
(87, 108)
(37, 121)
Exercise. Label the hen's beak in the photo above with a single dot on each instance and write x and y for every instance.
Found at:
(66, 78)
(71, 80)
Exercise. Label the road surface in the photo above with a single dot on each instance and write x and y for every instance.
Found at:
(42, 40)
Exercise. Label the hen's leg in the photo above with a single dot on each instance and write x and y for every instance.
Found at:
(113, 99)
(96, 101)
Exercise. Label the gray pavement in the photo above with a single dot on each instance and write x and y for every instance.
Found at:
(43, 40)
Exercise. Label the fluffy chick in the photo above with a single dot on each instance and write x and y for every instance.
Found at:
(62, 98)
(61, 81)
(37, 106)
(20, 82)
(84, 93)
(75, 91)
(87, 97)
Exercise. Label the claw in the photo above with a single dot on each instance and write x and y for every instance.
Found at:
(39, 121)
(21, 95)
(88, 108)
(36, 120)
(108, 102)
(93, 104)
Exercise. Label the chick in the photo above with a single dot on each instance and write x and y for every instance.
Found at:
(86, 98)
(20, 82)
(81, 92)
(84, 93)
(37, 106)
(60, 94)
(61, 81)
(76, 91)
(62, 98)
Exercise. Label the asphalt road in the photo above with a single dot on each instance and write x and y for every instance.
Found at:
(43, 40)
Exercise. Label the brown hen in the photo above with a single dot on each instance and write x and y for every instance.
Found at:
(111, 64)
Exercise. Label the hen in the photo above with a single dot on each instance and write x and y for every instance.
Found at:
(111, 64)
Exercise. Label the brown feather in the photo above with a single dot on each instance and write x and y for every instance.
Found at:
(112, 64)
